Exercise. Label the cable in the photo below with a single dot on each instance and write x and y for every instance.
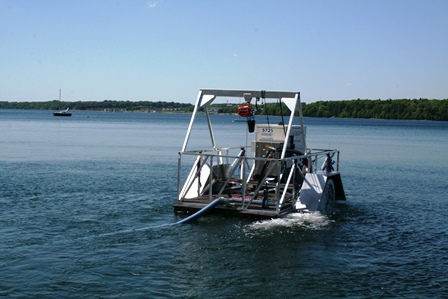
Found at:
(281, 113)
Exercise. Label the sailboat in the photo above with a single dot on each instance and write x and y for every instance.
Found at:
(62, 112)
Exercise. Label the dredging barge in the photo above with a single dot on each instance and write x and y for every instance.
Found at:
(280, 176)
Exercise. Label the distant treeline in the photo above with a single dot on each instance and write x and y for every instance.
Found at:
(106, 105)
(416, 109)
(421, 109)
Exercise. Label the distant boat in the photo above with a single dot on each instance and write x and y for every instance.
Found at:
(62, 112)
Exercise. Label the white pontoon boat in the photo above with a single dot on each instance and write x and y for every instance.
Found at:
(275, 175)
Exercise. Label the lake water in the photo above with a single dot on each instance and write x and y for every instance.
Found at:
(86, 203)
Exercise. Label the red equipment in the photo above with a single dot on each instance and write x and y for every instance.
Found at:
(245, 110)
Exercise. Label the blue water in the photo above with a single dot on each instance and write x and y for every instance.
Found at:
(86, 203)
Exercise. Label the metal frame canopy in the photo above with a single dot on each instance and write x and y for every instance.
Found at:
(254, 93)
(207, 96)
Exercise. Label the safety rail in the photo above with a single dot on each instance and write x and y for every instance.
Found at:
(234, 175)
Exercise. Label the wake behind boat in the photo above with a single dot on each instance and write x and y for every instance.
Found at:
(275, 175)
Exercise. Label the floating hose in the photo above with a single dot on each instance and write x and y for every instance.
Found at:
(201, 212)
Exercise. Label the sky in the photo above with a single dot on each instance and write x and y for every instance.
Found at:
(166, 50)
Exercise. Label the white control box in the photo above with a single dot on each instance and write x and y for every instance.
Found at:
(275, 134)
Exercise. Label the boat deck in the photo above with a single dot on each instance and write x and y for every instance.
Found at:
(232, 203)
(256, 211)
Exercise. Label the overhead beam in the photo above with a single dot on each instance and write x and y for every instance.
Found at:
(254, 93)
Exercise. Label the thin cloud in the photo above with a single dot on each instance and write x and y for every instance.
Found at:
(153, 3)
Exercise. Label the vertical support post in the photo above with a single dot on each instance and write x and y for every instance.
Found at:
(190, 126)
(179, 165)
(277, 187)
(209, 123)
(302, 128)
(210, 180)
(337, 161)
(244, 186)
